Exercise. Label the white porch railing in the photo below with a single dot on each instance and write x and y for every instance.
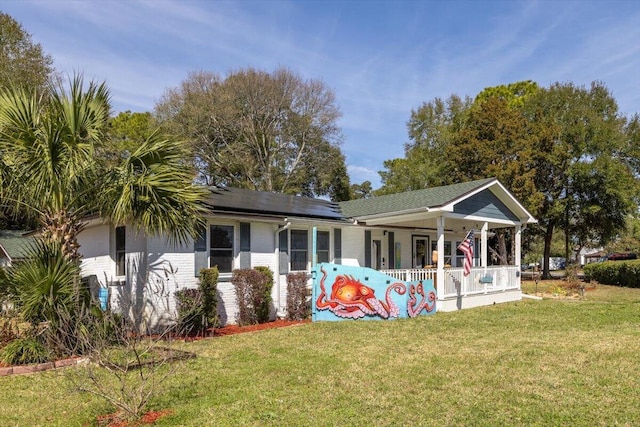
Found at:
(412, 274)
(480, 280)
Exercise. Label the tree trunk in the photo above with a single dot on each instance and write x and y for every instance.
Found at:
(548, 235)
(502, 247)
(62, 228)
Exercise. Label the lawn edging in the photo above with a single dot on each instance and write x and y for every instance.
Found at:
(40, 367)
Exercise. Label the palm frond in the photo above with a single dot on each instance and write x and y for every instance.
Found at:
(153, 189)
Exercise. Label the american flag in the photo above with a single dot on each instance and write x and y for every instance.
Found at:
(466, 247)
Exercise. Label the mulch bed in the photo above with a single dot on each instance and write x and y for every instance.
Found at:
(235, 329)
(115, 419)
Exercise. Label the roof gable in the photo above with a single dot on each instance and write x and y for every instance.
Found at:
(486, 198)
(417, 199)
(485, 204)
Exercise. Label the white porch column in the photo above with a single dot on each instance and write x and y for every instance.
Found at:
(518, 244)
(440, 269)
(483, 244)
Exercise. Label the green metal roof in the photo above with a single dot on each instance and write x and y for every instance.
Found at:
(417, 199)
(14, 243)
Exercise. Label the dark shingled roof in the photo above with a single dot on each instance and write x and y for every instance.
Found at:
(239, 200)
(425, 198)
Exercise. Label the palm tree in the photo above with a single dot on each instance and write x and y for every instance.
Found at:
(50, 163)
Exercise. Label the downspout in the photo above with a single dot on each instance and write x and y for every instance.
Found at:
(279, 312)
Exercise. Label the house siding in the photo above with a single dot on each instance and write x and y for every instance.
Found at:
(95, 248)
(353, 246)
(485, 204)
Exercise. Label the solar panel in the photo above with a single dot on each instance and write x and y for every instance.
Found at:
(263, 202)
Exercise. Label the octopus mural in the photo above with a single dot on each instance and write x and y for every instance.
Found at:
(428, 302)
(352, 299)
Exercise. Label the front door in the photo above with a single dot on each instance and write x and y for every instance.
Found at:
(376, 254)
(421, 255)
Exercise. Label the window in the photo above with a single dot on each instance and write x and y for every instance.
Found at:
(120, 251)
(447, 251)
(323, 246)
(299, 250)
(460, 254)
(221, 247)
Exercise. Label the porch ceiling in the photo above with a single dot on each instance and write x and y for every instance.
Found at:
(428, 221)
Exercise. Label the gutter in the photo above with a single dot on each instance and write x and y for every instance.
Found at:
(280, 313)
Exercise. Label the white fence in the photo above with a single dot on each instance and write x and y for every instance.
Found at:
(412, 274)
(480, 280)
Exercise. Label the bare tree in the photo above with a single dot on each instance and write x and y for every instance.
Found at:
(271, 132)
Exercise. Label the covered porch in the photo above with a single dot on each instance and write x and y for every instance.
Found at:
(433, 223)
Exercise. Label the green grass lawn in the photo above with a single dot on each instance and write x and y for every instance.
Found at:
(549, 362)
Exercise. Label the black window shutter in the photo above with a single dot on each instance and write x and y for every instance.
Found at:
(245, 245)
(367, 248)
(284, 252)
(337, 245)
(392, 252)
(200, 251)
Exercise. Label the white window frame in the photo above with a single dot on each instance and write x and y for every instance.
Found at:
(293, 250)
(328, 249)
(210, 247)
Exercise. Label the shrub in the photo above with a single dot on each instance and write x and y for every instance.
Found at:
(198, 308)
(189, 305)
(263, 311)
(250, 286)
(297, 306)
(8, 332)
(46, 283)
(617, 273)
(208, 288)
(23, 351)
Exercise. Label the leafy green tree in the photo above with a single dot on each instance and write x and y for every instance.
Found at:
(49, 145)
(252, 129)
(514, 94)
(431, 130)
(628, 240)
(129, 130)
(587, 190)
(22, 62)
(564, 151)
(361, 191)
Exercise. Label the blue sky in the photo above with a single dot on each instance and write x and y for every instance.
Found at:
(381, 58)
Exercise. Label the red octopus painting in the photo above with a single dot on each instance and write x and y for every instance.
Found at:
(427, 302)
(352, 299)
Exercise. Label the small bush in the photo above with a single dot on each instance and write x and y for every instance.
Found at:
(8, 332)
(23, 351)
(46, 283)
(198, 308)
(263, 312)
(616, 273)
(208, 286)
(250, 286)
(297, 306)
(189, 305)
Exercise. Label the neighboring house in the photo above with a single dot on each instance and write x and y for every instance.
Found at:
(13, 246)
(411, 236)
(589, 255)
